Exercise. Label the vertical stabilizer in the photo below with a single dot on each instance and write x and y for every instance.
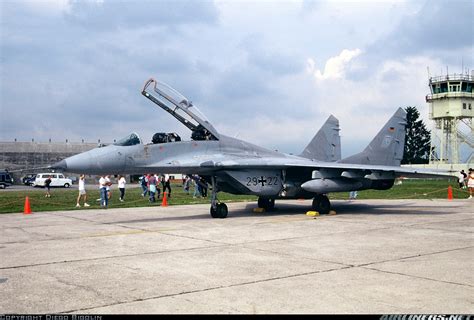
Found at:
(326, 144)
(387, 146)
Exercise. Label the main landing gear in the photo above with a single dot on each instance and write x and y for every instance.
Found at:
(218, 209)
(321, 204)
(266, 203)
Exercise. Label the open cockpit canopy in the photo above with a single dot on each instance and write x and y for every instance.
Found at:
(181, 108)
(130, 140)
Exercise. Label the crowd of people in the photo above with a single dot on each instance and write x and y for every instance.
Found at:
(152, 186)
(466, 181)
(104, 189)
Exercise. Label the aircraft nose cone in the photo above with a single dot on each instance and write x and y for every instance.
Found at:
(61, 165)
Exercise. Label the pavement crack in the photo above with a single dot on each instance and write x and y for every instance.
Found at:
(368, 266)
(209, 289)
(75, 285)
(413, 256)
(419, 277)
(106, 258)
(446, 230)
(432, 222)
(298, 256)
(198, 239)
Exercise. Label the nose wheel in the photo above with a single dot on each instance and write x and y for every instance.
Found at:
(218, 209)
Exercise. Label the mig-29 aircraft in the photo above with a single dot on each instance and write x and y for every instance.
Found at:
(238, 167)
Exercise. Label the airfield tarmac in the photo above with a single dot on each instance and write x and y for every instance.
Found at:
(374, 256)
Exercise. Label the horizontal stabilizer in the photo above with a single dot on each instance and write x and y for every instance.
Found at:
(326, 144)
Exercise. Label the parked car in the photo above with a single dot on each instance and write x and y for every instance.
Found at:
(6, 179)
(73, 179)
(57, 180)
(29, 179)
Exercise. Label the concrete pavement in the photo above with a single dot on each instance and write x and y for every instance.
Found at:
(374, 256)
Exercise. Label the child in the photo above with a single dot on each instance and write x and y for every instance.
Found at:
(47, 184)
(82, 192)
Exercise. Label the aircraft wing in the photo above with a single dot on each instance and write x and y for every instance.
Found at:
(328, 169)
(221, 162)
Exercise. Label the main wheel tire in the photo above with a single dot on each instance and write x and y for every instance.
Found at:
(324, 205)
(321, 204)
(66, 185)
(315, 204)
(213, 212)
(266, 203)
(261, 202)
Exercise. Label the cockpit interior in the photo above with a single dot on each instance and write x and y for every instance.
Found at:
(130, 140)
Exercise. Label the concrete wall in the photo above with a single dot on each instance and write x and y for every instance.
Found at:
(21, 158)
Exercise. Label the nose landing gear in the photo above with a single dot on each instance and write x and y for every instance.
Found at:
(218, 209)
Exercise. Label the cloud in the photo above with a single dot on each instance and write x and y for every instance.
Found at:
(275, 62)
(109, 15)
(439, 25)
(363, 106)
(76, 68)
(335, 67)
(438, 29)
(61, 73)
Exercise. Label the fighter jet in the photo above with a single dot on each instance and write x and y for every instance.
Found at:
(239, 167)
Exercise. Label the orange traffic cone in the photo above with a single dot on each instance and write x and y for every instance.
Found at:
(164, 203)
(27, 209)
(450, 193)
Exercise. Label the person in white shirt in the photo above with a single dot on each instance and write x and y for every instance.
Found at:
(103, 192)
(157, 183)
(470, 182)
(108, 183)
(461, 179)
(82, 192)
(121, 186)
(352, 195)
(167, 185)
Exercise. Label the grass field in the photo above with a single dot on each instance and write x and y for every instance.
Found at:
(65, 199)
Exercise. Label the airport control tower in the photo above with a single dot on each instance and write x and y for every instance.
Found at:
(452, 110)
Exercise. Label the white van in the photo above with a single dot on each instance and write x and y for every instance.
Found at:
(57, 180)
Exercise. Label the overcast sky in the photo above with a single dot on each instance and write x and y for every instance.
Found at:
(270, 72)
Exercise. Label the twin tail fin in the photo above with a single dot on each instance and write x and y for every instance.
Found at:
(326, 144)
(387, 146)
